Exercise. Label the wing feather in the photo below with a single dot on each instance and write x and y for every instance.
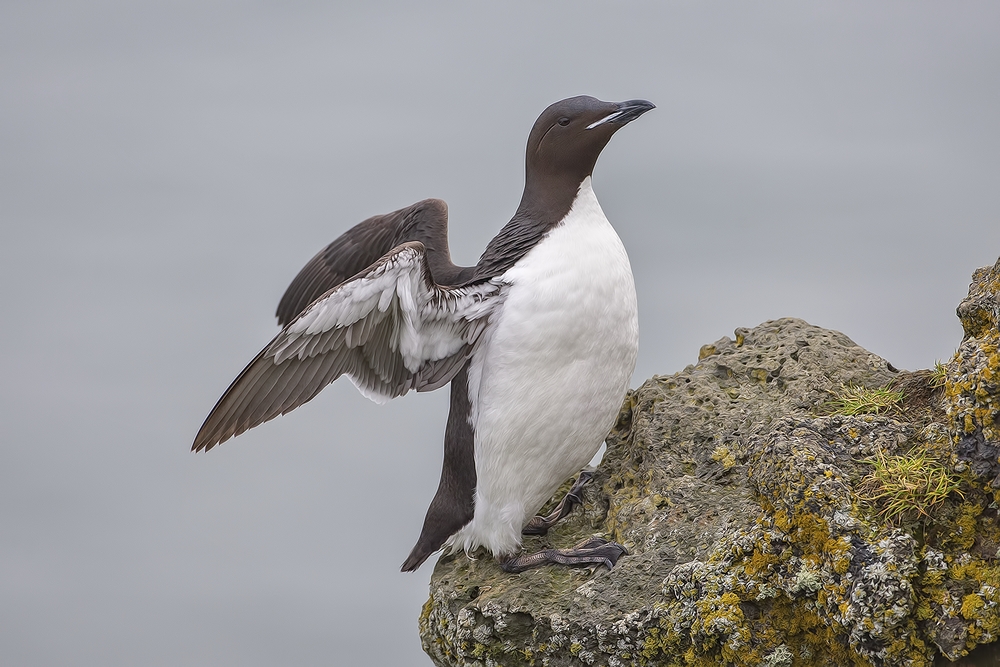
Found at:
(361, 246)
(390, 328)
(228, 417)
(294, 382)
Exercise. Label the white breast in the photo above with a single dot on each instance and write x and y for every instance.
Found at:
(547, 384)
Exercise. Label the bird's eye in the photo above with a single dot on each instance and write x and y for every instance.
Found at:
(564, 121)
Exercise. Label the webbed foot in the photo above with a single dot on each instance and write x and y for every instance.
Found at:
(594, 551)
(539, 525)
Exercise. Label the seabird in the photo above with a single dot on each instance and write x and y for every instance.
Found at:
(538, 341)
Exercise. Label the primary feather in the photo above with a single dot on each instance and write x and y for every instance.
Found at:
(390, 328)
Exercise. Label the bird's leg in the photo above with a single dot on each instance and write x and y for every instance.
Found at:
(539, 525)
(593, 551)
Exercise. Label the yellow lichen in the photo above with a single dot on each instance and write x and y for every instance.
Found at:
(722, 455)
(971, 606)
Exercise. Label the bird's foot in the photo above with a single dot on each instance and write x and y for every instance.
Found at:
(592, 552)
(539, 525)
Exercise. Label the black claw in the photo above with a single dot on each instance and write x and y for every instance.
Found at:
(536, 526)
(539, 525)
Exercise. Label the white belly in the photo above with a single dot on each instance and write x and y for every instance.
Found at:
(547, 386)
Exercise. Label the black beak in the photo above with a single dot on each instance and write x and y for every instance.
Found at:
(625, 112)
(631, 110)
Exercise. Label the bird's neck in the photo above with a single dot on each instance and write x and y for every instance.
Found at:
(544, 203)
(547, 198)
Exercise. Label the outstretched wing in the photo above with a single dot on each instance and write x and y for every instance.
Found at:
(390, 328)
(362, 245)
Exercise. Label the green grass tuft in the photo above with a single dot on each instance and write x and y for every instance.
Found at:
(938, 375)
(852, 400)
(908, 487)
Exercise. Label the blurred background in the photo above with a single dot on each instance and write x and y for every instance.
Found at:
(167, 167)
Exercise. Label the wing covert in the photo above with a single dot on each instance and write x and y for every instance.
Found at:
(390, 328)
(362, 245)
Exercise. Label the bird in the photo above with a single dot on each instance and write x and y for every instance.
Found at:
(538, 341)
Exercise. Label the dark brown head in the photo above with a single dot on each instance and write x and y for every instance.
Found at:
(563, 148)
(569, 136)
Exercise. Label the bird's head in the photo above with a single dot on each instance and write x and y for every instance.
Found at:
(568, 137)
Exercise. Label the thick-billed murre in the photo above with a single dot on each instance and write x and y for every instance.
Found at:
(538, 341)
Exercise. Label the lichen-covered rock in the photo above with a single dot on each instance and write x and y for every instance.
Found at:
(757, 530)
(973, 380)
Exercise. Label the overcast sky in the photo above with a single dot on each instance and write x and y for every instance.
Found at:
(166, 168)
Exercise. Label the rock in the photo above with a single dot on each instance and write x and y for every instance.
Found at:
(771, 518)
(973, 381)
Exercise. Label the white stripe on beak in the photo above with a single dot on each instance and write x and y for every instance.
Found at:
(610, 116)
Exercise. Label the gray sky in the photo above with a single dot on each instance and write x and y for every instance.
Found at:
(166, 168)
